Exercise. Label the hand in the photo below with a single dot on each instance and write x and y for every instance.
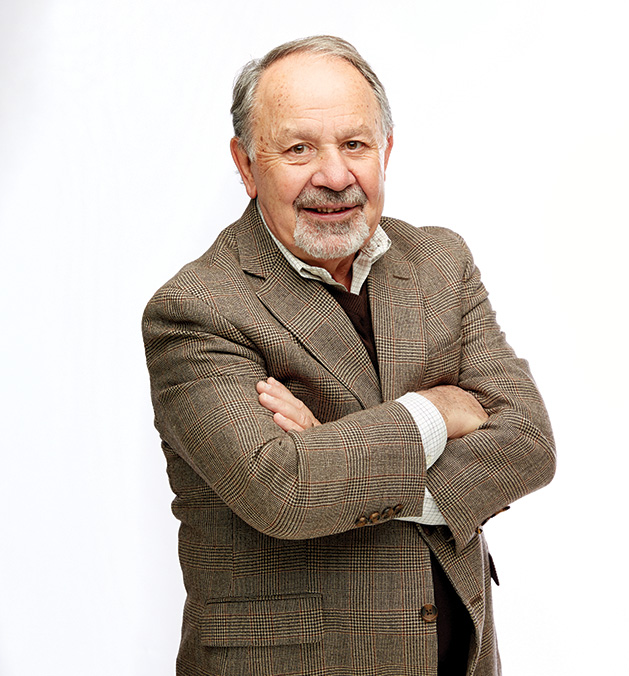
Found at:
(460, 410)
(290, 413)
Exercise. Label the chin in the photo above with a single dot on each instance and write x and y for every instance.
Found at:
(329, 241)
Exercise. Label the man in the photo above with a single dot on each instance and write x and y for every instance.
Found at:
(338, 407)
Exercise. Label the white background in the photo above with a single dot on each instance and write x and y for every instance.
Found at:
(512, 127)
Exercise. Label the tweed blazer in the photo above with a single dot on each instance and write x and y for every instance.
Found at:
(282, 576)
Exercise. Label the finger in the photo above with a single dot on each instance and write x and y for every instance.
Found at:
(300, 415)
(287, 424)
(282, 397)
(276, 389)
(278, 399)
(285, 408)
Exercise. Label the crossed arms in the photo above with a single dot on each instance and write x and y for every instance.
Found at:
(461, 412)
(211, 346)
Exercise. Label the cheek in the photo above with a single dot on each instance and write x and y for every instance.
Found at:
(282, 183)
(373, 185)
(289, 185)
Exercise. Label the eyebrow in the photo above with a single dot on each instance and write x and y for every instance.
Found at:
(289, 133)
(358, 131)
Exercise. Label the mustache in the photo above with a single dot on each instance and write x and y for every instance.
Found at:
(311, 198)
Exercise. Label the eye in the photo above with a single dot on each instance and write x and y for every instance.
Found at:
(298, 149)
(354, 145)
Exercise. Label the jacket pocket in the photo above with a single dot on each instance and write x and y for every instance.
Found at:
(264, 621)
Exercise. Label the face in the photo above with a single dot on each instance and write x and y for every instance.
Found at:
(320, 158)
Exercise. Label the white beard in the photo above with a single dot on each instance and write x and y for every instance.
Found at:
(326, 241)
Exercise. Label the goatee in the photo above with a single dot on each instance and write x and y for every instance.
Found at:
(324, 240)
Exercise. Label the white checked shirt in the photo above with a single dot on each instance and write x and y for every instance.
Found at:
(429, 421)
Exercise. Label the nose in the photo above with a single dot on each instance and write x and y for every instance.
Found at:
(332, 171)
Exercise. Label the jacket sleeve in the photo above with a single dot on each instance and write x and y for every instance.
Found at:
(513, 453)
(288, 485)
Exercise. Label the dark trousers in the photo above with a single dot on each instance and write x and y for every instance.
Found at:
(454, 625)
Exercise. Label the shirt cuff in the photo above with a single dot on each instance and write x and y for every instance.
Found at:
(431, 514)
(432, 429)
(430, 423)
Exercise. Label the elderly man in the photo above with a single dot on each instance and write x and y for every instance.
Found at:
(339, 410)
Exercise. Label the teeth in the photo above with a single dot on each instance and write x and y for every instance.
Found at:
(330, 211)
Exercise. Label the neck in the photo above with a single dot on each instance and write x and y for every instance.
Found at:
(339, 268)
(343, 276)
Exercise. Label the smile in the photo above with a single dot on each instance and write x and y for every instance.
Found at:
(329, 210)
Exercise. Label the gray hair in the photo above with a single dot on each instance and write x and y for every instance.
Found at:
(246, 83)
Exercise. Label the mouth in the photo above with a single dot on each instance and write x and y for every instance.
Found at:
(336, 210)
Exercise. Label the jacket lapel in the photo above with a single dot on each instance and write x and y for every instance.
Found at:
(307, 310)
(397, 310)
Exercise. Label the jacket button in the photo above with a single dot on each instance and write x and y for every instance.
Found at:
(397, 509)
(429, 612)
(374, 517)
(388, 513)
(361, 521)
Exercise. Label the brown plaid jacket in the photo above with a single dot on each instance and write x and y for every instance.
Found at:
(281, 577)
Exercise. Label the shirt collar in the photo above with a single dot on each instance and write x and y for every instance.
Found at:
(373, 251)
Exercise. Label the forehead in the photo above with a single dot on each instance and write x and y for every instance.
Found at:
(305, 86)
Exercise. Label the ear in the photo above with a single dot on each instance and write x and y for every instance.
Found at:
(387, 151)
(243, 163)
